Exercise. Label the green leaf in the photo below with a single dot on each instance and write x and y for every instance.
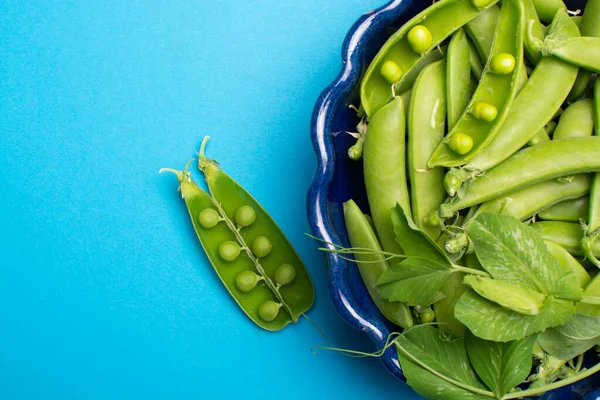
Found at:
(581, 327)
(501, 366)
(445, 355)
(491, 321)
(512, 251)
(414, 281)
(563, 347)
(413, 241)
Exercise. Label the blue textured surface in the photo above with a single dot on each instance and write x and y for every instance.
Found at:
(104, 291)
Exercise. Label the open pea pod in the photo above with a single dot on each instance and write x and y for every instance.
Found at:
(494, 95)
(251, 255)
(408, 50)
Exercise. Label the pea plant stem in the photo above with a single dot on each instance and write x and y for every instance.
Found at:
(470, 271)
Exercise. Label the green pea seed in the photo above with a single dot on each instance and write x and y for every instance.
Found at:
(481, 3)
(460, 143)
(208, 218)
(246, 281)
(391, 72)
(285, 274)
(261, 247)
(427, 316)
(419, 38)
(245, 216)
(502, 64)
(229, 250)
(485, 111)
(268, 310)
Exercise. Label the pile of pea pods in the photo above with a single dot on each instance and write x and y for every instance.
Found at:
(479, 106)
(249, 252)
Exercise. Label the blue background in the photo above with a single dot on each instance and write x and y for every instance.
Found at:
(104, 290)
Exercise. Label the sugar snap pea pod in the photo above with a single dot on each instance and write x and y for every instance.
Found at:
(581, 51)
(589, 26)
(426, 128)
(474, 61)
(568, 210)
(251, 255)
(546, 9)
(531, 165)
(458, 77)
(494, 95)
(481, 30)
(384, 166)
(576, 121)
(271, 296)
(566, 234)
(540, 137)
(534, 32)
(371, 266)
(519, 127)
(407, 46)
(566, 259)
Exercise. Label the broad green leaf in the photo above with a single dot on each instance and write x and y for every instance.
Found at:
(581, 327)
(501, 366)
(512, 251)
(592, 289)
(414, 281)
(445, 355)
(413, 241)
(563, 347)
(491, 321)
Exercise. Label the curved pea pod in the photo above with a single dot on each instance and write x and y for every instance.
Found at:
(481, 30)
(576, 121)
(546, 9)
(426, 127)
(288, 290)
(519, 127)
(371, 266)
(458, 77)
(566, 234)
(532, 165)
(527, 202)
(475, 63)
(489, 106)
(581, 51)
(384, 166)
(534, 32)
(568, 210)
(507, 295)
(405, 56)
(566, 259)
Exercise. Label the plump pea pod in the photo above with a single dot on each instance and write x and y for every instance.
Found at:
(568, 210)
(565, 258)
(372, 265)
(481, 30)
(546, 9)
(581, 51)
(566, 234)
(426, 124)
(384, 166)
(534, 164)
(535, 30)
(488, 108)
(524, 203)
(474, 61)
(576, 121)
(410, 44)
(519, 127)
(458, 77)
(592, 232)
(272, 290)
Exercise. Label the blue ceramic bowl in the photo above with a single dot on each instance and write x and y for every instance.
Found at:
(338, 179)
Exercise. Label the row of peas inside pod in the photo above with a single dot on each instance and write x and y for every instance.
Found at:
(255, 261)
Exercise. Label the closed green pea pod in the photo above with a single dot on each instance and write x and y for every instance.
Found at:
(452, 288)
(581, 51)
(535, 32)
(440, 20)
(565, 234)
(497, 87)
(384, 165)
(519, 127)
(371, 266)
(426, 123)
(540, 137)
(458, 77)
(475, 62)
(576, 121)
(507, 295)
(566, 259)
(546, 9)
(568, 210)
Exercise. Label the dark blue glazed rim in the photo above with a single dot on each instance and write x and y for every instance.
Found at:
(339, 179)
